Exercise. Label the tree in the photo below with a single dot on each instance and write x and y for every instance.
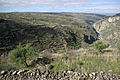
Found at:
(21, 54)
(100, 45)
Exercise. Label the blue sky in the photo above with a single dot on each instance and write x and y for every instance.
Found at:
(85, 6)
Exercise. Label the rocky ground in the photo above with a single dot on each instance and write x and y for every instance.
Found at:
(51, 75)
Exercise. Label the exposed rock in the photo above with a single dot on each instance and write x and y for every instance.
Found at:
(3, 72)
(110, 20)
(14, 73)
(69, 72)
(113, 19)
(19, 72)
(109, 29)
(41, 61)
(48, 66)
(110, 71)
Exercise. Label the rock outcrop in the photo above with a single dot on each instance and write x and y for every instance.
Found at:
(51, 75)
(109, 29)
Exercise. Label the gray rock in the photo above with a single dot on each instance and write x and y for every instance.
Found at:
(70, 72)
(19, 72)
(48, 66)
(110, 71)
(52, 75)
(14, 73)
(3, 72)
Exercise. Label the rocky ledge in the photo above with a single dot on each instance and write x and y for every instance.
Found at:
(51, 75)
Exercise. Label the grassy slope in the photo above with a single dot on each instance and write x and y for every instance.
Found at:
(79, 62)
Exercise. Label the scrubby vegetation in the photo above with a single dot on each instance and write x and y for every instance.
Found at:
(62, 43)
(83, 60)
(88, 63)
(44, 31)
(21, 54)
(100, 45)
(118, 45)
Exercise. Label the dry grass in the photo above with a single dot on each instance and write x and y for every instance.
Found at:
(88, 62)
(82, 60)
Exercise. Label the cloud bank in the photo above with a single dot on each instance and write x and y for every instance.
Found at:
(72, 4)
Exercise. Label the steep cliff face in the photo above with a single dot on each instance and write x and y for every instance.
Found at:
(109, 29)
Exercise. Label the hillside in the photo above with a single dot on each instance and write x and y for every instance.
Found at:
(109, 29)
(42, 18)
(68, 38)
(44, 31)
(89, 18)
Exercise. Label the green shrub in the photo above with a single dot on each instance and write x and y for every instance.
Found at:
(118, 45)
(100, 45)
(9, 67)
(21, 54)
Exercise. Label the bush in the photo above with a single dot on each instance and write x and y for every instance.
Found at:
(21, 54)
(9, 67)
(100, 45)
(118, 45)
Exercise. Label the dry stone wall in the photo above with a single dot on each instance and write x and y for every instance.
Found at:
(51, 75)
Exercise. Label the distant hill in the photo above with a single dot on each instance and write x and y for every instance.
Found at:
(90, 18)
(42, 18)
(44, 31)
(117, 14)
(109, 29)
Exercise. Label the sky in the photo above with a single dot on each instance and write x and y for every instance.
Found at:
(80, 6)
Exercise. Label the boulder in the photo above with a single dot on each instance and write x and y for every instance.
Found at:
(41, 61)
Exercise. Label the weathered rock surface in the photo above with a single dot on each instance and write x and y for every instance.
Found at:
(109, 29)
(51, 75)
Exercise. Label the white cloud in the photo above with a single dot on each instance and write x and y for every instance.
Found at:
(91, 4)
(58, 3)
(98, 10)
(26, 2)
(85, 5)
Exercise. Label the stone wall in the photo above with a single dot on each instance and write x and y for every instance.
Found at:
(51, 75)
